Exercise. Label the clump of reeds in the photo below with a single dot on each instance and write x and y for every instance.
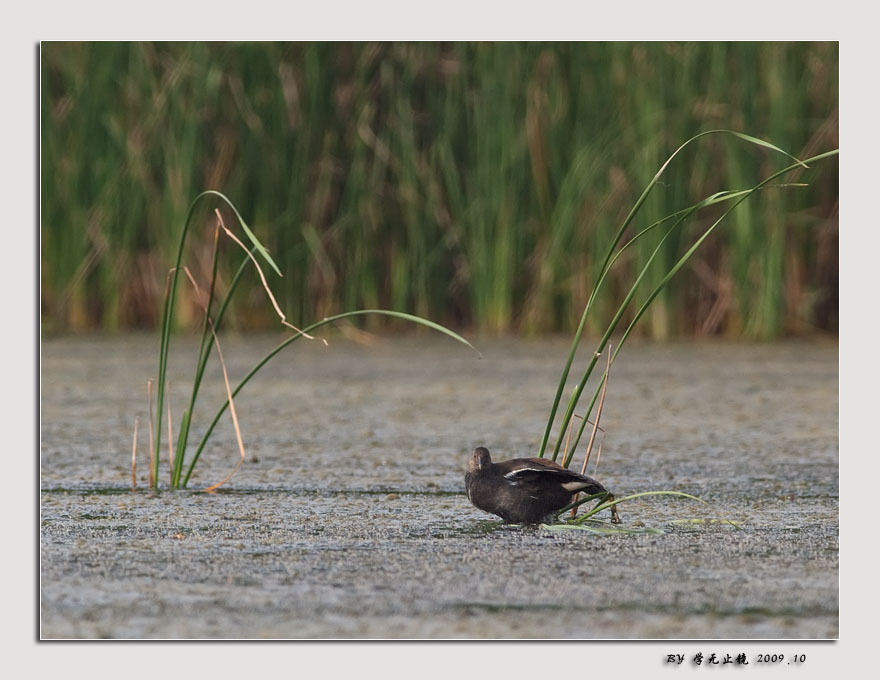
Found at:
(214, 312)
(471, 183)
(667, 226)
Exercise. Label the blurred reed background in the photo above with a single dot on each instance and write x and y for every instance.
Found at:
(476, 184)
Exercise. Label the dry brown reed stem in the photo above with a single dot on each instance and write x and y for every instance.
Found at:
(598, 455)
(232, 410)
(598, 411)
(596, 427)
(150, 397)
(589, 422)
(134, 444)
(263, 279)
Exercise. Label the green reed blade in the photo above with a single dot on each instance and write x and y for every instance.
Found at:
(602, 529)
(604, 506)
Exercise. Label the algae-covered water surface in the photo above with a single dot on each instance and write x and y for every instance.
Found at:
(348, 518)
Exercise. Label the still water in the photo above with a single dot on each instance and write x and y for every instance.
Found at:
(348, 518)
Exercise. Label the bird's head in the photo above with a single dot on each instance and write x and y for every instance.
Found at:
(480, 459)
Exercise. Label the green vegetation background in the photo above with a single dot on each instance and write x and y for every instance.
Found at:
(476, 184)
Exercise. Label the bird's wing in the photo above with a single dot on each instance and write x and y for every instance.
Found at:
(571, 481)
(529, 473)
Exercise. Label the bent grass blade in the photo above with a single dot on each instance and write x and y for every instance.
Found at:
(331, 319)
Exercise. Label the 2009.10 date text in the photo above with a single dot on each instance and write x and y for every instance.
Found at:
(779, 658)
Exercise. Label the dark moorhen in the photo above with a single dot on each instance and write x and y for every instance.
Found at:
(525, 490)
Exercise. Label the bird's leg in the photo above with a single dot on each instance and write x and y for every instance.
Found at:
(615, 518)
(608, 498)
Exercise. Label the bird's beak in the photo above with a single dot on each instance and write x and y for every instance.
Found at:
(477, 460)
